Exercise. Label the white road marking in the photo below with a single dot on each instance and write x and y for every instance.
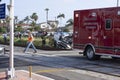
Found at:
(95, 74)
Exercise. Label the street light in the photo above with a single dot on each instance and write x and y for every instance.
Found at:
(47, 9)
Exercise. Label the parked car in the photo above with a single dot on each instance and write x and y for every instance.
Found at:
(41, 33)
(25, 34)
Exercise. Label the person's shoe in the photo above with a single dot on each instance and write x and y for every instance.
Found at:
(35, 52)
(24, 51)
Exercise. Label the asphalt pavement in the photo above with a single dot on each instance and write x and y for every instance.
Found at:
(54, 65)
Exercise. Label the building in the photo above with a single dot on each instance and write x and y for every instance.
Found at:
(49, 26)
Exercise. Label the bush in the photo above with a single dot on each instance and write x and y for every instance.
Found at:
(20, 42)
(2, 40)
(37, 42)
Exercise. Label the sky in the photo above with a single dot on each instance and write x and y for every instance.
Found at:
(23, 8)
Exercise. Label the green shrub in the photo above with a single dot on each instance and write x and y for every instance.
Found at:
(20, 42)
(23, 41)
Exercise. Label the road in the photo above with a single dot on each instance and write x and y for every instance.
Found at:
(64, 65)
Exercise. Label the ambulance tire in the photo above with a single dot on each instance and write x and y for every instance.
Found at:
(90, 54)
(115, 57)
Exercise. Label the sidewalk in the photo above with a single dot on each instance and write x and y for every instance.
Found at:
(24, 75)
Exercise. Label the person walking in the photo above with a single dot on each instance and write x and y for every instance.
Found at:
(30, 43)
(5, 38)
(20, 35)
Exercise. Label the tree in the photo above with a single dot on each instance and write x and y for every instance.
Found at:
(33, 25)
(6, 22)
(61, 16)
(19, 29)
(16, 19)
(2, 30)
(21, 22)
(37, 28)
(66, 30)
(34, 18)
(69, 22)
(27, 19)
(47, 9)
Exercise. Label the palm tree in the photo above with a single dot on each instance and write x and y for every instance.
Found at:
(54, 25)
(7, 23)
(16, 19)
(47, 9)
(21, 22)
(69, 22)
(61, 16)
(34, 18)
(27, 19)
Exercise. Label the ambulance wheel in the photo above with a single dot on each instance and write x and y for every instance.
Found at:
(115, 57)
(90, 54)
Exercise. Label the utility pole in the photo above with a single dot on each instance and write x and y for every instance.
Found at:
(11, 70)
(117, 3)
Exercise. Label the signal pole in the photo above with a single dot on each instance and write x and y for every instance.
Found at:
(11, 70)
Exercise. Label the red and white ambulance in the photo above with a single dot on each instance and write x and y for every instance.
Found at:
(97, 32)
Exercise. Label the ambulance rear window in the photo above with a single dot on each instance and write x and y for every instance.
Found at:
(108, 24)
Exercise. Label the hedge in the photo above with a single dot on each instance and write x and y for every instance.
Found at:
(23, 41)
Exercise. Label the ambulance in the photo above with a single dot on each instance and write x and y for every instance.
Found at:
(97, 32)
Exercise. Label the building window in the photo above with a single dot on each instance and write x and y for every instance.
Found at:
(108, 24)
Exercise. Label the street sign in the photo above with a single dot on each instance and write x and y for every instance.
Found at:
(2, 11)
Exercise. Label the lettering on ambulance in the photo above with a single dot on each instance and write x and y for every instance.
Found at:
(91, 22)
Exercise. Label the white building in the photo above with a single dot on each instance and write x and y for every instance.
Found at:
(50, 25)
